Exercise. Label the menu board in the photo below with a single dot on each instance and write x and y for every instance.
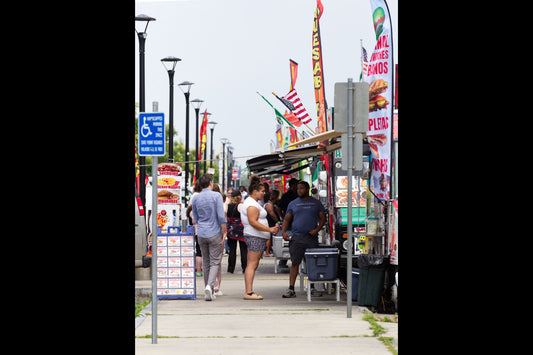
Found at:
(169, 183)
(176, 263)
(341, 192)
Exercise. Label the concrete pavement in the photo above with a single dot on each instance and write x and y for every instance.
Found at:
(232, 325)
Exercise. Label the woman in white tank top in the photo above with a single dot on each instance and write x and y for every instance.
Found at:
(256, 234)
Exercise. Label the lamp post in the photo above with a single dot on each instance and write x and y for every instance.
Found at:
(196, 103)
(185, 87)
(170, 63)
(224, 142)
(141, 34)
(212, 127)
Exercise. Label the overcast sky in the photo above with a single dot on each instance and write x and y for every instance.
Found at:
(232, 48)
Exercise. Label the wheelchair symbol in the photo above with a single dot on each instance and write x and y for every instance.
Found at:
(145, 127)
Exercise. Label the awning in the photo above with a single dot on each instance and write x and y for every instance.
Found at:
(282, 162)
(317, 138)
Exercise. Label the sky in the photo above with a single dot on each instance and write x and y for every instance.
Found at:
(232, 48)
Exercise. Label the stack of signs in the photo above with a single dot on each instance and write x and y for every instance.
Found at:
(169, 183)
(176, 264)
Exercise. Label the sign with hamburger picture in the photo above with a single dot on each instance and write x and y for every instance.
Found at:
(379, 77)
(169, 182)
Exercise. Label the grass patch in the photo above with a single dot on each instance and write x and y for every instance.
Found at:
(139, 306)
(378, 330)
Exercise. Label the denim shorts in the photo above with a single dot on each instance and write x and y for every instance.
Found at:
(255, 243)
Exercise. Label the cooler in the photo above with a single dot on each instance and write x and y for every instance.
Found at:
(322, 263)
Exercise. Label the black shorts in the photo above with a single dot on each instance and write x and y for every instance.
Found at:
(298, 245)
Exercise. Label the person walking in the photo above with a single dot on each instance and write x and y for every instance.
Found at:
(256, 234)
(208, 214)
(304, 212)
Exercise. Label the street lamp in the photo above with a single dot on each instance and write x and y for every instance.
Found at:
(212, 127)
(224, 142)
(185, 87)
(170, 63)
(196, 103)
(140, 20)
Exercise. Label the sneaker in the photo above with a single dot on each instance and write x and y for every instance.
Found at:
(289, 293)
(219, 293)
(208, 293)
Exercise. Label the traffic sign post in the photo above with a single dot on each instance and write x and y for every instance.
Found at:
(152, 143)
(151, 134)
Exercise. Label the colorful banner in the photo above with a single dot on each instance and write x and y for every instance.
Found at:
(294, 72)
(203, 137)
(380, 79)
(318, 73)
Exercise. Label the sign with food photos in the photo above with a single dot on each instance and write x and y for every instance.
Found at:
(380, 80)
(176, 263)
(169, 186)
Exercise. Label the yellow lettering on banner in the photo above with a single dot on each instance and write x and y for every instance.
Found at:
(315, 39)
(318, 82)
(317, 68)
(316, 53)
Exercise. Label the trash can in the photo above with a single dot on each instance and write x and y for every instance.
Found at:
(371, 278)
(355, 283)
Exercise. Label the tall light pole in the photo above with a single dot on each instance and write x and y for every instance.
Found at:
(170, 63)
(196, 103)
(141, 20)
(185, 87)
(224, 142)
(212, 127)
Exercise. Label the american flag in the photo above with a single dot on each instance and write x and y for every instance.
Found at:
(365, 61)
(293, 103)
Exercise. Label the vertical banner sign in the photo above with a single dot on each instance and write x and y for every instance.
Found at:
(203, 137)
(380, 79)
(318, 73)
(294, 72)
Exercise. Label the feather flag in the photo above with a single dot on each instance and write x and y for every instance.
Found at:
(294, 72)
(203, 137)
(318, 72)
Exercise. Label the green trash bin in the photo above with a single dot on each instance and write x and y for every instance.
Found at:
(371, 278)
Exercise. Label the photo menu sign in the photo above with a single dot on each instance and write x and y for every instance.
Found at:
(176, 263)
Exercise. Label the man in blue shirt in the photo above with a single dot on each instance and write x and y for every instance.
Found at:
(304, 212)
(210, 219)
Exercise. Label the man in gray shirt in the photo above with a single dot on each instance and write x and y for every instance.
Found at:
(210, 220)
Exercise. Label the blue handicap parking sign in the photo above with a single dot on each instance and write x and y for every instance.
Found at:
(151, 134)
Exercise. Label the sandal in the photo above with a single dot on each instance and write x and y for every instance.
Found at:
(253, 296)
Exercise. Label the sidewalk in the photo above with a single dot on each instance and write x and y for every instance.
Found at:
(231, 325)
